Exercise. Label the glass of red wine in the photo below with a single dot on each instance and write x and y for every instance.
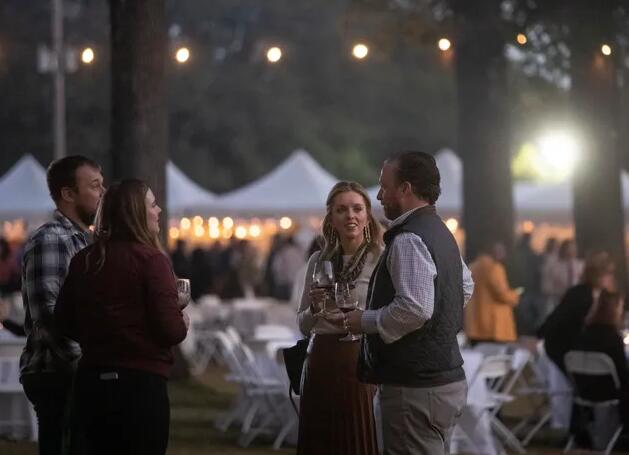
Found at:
(346, 301)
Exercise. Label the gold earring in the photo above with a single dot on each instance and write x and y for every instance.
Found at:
(367, 233)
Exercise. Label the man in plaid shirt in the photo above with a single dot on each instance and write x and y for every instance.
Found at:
(48, 361)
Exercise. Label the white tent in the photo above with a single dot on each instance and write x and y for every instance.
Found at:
(183, 196)
(298, 186)
(24, 191)
(451, 170)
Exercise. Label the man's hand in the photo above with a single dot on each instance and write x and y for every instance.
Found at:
(350, 322)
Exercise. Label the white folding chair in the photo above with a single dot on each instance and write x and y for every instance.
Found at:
(607, 425)
(10, 385)
(489, 348)
(494, 370)
(537, 388)
(262, 404)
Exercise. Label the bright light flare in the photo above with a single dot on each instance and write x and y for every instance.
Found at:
(240, 232)
(182, 55)
(444, 44)
(606, 50)
(286, 223)
(255, 230)
(559, 152)
(360, 51)
(87, 56)
(199, 231)
(274, 54)
(228, 223)
(185, 223)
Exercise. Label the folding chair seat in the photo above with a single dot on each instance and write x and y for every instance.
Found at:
(597, 389)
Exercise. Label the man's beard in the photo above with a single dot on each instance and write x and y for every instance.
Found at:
(86, 216)
(392, 211)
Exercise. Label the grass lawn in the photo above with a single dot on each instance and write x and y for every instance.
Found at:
(194, 406)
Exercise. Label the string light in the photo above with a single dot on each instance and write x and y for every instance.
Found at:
(444, 44)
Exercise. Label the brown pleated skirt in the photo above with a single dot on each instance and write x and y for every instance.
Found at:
(336, 411)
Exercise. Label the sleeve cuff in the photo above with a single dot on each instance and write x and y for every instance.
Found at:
(306, 321)
(369, 321)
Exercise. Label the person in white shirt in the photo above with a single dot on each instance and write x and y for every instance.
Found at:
(564, 272)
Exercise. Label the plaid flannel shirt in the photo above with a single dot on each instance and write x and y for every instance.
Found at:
(45, 263)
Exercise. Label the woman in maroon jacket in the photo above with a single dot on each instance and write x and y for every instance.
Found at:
(119, 301)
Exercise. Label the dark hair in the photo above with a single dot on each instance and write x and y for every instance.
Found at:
(62, 173)
(121, 215)
(605, 310)
(420, 170)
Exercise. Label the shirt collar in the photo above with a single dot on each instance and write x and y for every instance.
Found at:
(403, 217)
(68, 224)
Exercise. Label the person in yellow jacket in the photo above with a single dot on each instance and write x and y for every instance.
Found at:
(489, 314)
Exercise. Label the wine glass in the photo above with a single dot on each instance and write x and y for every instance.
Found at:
(323, 278)
(346, 301)
(183, 292)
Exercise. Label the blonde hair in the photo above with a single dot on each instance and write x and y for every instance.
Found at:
(330, 237)
(121, 215)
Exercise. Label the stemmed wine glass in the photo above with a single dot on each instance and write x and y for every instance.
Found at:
(323, 278)
(346, 301)
(183, 292)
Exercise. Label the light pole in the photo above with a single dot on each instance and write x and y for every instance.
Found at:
(59, 105)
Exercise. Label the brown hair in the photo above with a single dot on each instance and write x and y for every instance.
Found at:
(605, 310)
(121, 215)
(420, 170)
(62, 173)
(375, 230)
(597, 264)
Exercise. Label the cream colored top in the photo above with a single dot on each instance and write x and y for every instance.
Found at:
(309, 323)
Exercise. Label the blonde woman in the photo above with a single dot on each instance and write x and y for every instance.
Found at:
(336, 411)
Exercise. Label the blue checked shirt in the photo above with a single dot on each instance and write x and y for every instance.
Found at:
(413, 273)
(47, 256)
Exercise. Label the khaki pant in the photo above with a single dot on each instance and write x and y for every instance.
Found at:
(420, 421)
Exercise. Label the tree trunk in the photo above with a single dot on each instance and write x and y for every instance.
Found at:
(139, 125)
(139, 122)
(598, 207)
(484, 138)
